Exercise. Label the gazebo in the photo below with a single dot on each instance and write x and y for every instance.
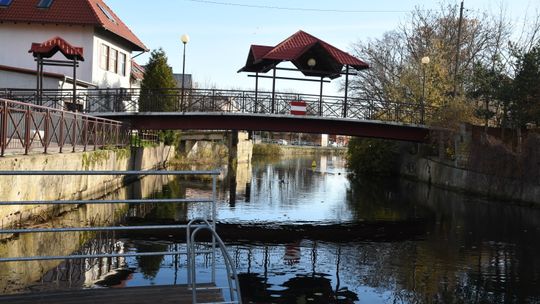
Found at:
(310, 55)
(47, 49)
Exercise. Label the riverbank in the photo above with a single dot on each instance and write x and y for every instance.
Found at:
(286, 150)
(27, 188)
(479, 164)
(449, 176)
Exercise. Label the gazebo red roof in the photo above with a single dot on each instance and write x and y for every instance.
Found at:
(296, 49)
(50, 47)
(71, 12)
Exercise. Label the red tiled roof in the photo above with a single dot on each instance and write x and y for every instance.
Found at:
(50, 47)
(296, 45)
(259, 51)
(263, 58)
(73, 12)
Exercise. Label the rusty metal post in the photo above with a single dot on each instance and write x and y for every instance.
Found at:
(102, 135)
(116, 133)
(3, 133)
(85, 133)
(61, 142)
(47, 130)
(74, 133)
(95, 134)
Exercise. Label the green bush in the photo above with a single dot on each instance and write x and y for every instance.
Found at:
(366, 156)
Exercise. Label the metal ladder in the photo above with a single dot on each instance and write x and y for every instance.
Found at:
(193, 227)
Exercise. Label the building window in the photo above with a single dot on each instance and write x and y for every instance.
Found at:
(4, 3)
(113, 60)
(104, 62)
(122, 64)
(44, 3)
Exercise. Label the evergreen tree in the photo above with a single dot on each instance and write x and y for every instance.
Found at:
(155, 88)
(526, 107)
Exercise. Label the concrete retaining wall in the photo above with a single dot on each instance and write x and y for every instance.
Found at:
(304, 150)
(19, 188)
(448, 176)
(33, 244)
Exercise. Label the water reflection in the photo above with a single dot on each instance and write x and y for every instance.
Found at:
(307, 234)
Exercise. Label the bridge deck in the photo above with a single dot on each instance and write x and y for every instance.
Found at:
(131, 295)
(271, 122)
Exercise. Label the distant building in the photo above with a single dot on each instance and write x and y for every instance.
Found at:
(107, 43)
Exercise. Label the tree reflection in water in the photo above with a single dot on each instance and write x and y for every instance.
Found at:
(462, 249)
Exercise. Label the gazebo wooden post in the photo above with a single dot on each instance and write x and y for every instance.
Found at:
(305, 52)
(320, 97)
(273, 90)
(48, 49)
(256, 91)
(346, 91)
(38, 80)
(74, 82)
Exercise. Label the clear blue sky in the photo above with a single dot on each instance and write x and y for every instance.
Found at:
(221, 34)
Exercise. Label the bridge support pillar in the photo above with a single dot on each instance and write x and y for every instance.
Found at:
(232, 165)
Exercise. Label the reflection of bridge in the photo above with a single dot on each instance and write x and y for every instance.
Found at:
(242, 110)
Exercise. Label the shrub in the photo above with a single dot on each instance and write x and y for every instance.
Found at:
(366, 156)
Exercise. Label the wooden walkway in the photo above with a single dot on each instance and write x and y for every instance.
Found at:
(129, 295)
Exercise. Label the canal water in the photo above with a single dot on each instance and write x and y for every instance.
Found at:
(301, 231)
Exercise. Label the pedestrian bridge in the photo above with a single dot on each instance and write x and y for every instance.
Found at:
(270, 122)
(241, 110)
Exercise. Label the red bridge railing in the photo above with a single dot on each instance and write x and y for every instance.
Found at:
(214, 100)
(26, 127)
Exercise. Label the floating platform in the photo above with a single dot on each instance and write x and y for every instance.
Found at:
(129, 295)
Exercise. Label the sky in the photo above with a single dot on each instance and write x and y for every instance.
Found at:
(221, 31)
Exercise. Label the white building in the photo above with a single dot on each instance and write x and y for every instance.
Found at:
(108, 44)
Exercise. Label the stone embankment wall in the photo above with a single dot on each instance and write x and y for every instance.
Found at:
(47, 244)
(24, 188)
(305, 150)
(447, 175)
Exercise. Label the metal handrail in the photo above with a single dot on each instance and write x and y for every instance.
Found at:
(232, 275)
(224, 100)
(207, 224)
(25, 126)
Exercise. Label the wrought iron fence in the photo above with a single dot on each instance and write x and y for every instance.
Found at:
(215, 100)
(26, 127)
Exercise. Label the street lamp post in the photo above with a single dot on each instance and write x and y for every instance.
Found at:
(425, 61)
(185, 40)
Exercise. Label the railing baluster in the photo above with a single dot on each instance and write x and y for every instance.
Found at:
(61, 143)
(74, 132)
(3, 132)
(46, 131)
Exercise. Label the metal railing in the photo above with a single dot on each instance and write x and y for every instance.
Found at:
(25, 127)
(193, 227)
(216, 100)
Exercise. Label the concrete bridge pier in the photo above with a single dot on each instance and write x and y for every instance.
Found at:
(232, 165)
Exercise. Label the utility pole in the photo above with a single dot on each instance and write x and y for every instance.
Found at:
(458, 47)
